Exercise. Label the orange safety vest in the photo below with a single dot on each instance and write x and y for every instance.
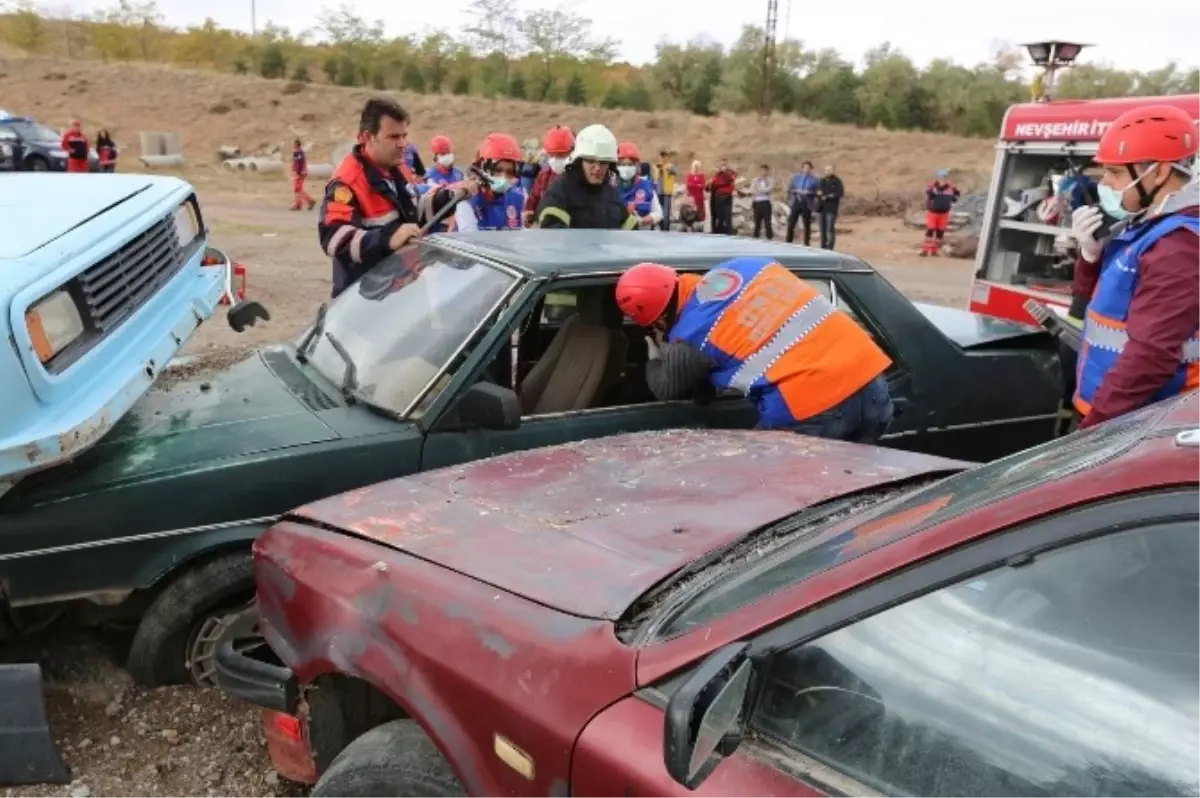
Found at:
(775, 338)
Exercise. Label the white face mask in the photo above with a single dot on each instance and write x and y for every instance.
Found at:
(557, 165)
(446, 160)
(627, 172)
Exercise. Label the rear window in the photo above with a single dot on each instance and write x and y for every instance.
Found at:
(917, 510)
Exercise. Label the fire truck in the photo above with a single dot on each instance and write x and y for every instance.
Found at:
(1043, 170)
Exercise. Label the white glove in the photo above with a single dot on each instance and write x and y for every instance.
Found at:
(1085, 221)
(652, 350)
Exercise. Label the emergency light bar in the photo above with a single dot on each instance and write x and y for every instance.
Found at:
(1054, 54)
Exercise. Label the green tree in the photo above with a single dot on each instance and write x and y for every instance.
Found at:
(462, 85)
(576, 93)
(436, 52)
(300, 73)
(494, 35)
(26, 28)
(413, 79)
(556, 36)
(890, 93)
(272, 62)
(516, 86)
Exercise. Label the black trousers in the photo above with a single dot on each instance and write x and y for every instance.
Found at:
(722, 214)
(828, 231)
(800, 211)
(762, 218)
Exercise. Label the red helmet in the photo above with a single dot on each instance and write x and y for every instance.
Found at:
(627, 149)
(500, 147)
(1150, 134)
(645, 291)
(559, 141)
(441, 145)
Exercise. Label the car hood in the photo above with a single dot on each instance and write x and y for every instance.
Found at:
(39, 208)
(587, 528)
(198, 413)
(972, 330)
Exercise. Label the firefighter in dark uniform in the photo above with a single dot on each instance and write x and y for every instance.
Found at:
(586, 196)
(368, 211)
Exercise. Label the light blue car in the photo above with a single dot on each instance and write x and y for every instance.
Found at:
(102, 279)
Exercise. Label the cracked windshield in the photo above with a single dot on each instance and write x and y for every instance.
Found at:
(402, 322)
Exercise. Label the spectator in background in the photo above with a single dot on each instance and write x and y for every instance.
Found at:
(691, 217)
(300, 197)
(829, 197)
(665, 175)
(721, 189)
(106, 150)
(761, 189)
(802, 198)
(695, 189)
(75, 144)
(412, 159)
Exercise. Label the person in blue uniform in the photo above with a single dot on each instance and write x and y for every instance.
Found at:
(637, 190)
(500, 203)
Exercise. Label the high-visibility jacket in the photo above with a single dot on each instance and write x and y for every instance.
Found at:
(1104, 336)
(363, 206)
(502, 211)
(638, 195)
(775, 338)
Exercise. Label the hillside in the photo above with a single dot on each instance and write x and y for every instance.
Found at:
(882, 169)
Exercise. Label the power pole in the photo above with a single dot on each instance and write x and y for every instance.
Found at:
(253, 20)
(768, 60)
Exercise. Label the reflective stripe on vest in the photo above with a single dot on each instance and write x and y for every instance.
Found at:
(380, 221)
(1104, 331)
(802, 322)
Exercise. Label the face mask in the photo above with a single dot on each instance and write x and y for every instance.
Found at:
(446, 160)
(1110, 198)
(499, 183)
(627, 172)
(557, 165)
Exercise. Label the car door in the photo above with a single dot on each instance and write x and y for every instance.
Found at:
(1059, 658)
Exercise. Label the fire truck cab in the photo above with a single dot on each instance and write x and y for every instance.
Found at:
(1043, 171)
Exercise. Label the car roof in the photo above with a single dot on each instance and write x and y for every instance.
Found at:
(546, 253)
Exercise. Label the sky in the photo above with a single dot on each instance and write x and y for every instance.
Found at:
(1122, 36)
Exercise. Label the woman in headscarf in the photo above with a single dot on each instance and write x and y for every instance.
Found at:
(106, 150)
(695, 188)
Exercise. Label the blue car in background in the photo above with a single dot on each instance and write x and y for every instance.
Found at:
(102, 279)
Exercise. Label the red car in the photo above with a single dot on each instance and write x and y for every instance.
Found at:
(744, 613)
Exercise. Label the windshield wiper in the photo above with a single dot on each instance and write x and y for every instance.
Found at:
(317, 328)
(350, 375)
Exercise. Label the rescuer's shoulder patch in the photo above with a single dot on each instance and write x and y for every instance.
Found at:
(718, 284)
(343, 194)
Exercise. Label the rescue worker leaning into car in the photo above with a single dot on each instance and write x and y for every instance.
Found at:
(584, 195)
(368, 212)
(1140, 329)
(752, 326)
(500, 203)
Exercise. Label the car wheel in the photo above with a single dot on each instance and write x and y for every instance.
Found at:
(177, 637)
(396, 759)
(38, 164)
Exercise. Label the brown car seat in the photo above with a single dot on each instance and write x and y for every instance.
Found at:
(585, 359)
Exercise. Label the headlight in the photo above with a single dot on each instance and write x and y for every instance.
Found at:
(187, 225)
(53, 323)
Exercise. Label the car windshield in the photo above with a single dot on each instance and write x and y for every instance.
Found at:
(821, 538)
(403, 321)
(32, 131)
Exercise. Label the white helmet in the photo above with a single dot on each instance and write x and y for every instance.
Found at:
(596, 143)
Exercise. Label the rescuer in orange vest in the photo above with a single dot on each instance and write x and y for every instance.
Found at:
(751, 325)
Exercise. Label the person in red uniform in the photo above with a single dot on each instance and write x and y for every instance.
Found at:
(695, 189)
(721, 188)
(940, 196)
(368, 212)
(1140, 328)
(299, 175)
(76, 146)
(558, 143)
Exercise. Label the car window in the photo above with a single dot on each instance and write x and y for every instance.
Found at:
(404, 320)
(1074, 674)
(918, 509)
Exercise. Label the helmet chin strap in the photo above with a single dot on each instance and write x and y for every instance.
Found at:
(1145, 198)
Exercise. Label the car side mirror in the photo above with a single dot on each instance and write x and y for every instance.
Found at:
(488, 406)
(706, 717)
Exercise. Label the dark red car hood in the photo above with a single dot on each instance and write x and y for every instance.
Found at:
(588, 527)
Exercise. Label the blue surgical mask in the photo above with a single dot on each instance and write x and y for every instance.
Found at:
(1110, 202)
(499, 184)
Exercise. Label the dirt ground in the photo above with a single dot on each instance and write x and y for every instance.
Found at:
(119, 739)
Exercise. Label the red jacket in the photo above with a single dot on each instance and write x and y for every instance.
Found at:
(1163, 313)
(76, 145)
(722, 183)
(544, 176)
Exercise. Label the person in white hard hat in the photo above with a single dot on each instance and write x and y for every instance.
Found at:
(585, 196)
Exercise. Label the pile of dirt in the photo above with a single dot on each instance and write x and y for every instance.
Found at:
(881, 168)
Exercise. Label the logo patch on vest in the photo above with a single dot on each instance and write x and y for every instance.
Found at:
(511, 212)
(718, 284)
(343, 195)
(640, 196)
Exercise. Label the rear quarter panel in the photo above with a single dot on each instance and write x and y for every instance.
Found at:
(464, 659)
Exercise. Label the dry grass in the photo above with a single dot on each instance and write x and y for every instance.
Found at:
(882, 169)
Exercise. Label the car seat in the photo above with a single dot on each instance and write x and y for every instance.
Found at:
(585, 359)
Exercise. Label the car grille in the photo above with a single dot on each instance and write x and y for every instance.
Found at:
(121, 283)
